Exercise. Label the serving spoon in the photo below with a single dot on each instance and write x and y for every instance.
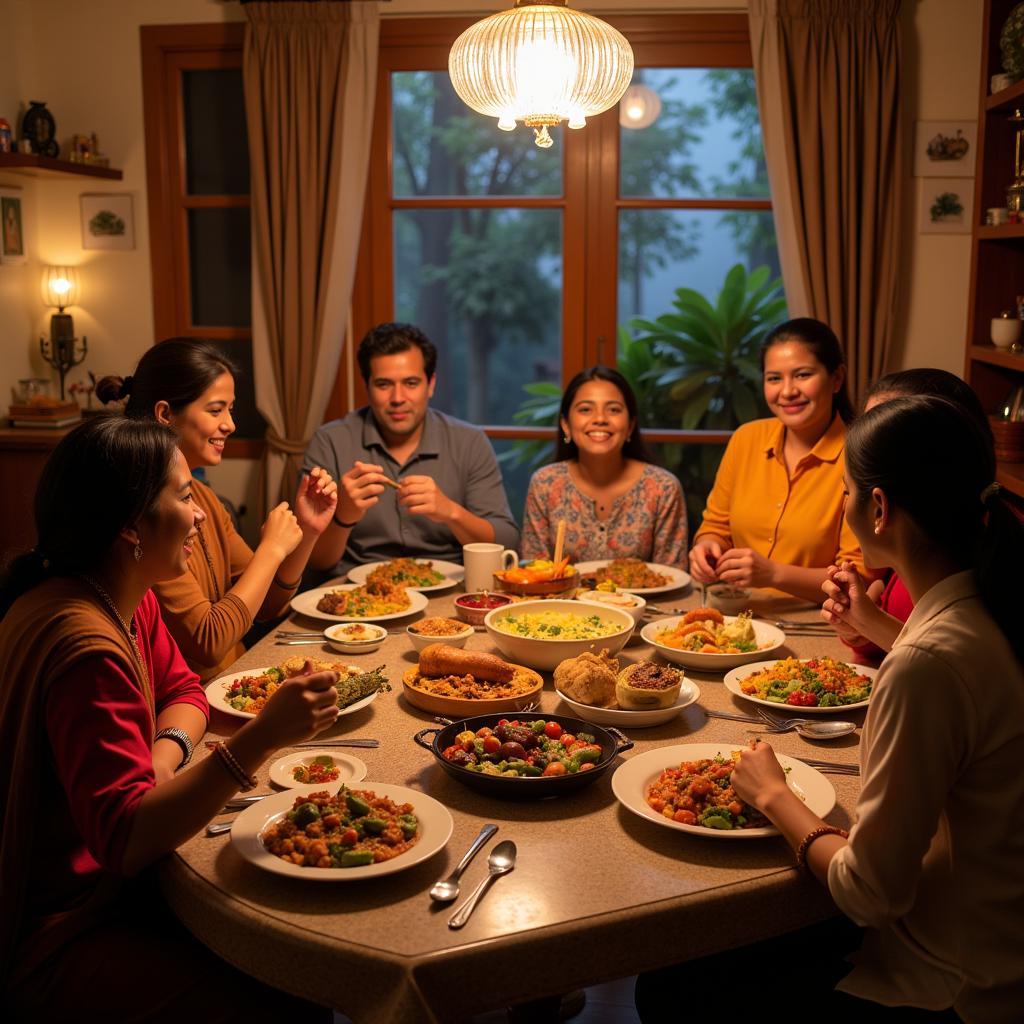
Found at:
(501, 861)
(448, 888)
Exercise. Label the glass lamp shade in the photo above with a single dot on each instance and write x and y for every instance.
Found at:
(639, 107)
(60, 286)
(540, 63)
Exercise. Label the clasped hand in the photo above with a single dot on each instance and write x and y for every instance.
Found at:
(363, 484)
(742, 567)
(851, 607)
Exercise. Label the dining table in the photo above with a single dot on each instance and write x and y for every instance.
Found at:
(597, 893)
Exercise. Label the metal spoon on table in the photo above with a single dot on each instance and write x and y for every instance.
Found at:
(448, 888)
(501, 861)
(813, 729)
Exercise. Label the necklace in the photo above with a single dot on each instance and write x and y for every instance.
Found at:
(209, 564)
(129, 628)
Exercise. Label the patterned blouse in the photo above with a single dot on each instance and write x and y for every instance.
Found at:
(648, 521)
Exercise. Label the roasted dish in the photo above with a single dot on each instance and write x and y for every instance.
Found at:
(251, 693)
(705, 631)
(367, 601)
(447, 671)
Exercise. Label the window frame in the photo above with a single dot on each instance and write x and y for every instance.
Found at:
(590, 201)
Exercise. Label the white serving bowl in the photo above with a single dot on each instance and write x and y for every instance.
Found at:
(769, 639)
(341, 641)
(421, 640)
(729, 600)
(637, 607)
(545, 654)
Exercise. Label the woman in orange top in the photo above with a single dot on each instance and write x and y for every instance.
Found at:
(774, 518)
(189, 385)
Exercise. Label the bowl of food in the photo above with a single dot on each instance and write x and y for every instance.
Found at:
(542, 634)
(729, 600)
(355, 637)
(451, 681)
(439, 629)
(539, 578)
(706, 639)
(473, 608)
(632, 603)
(643, 694)
(524, 759)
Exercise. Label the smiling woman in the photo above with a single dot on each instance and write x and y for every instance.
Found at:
(190, 387)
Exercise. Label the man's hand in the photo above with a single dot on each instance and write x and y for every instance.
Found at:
(421, 496)
(359, 491)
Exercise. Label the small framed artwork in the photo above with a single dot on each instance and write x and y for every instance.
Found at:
(107, 221)
(12, 226)
(945, 149)
(946, 206)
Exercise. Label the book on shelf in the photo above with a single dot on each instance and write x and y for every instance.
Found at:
(47, 423)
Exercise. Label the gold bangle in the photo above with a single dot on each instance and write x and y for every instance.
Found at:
(231, 764)
(812, 836)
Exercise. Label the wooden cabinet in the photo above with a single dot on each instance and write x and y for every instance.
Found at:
(997, 257)
(23, 453)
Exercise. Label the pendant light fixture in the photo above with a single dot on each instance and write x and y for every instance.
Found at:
(540, 63)
(640, 106)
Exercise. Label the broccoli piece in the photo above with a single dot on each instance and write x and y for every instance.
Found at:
(716, 817)
(828, 700)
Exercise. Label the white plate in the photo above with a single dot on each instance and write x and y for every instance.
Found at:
(306, 604)
(632, 779)
(624, 718)
(677, 578)
(769, 638)
(737, 675)
(217, 691)
(350, 769)
(453, 573)
(435, 822)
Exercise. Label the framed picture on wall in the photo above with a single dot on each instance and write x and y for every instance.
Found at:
(107, 221)
(946, 206)
(12, 226)
(945, 149)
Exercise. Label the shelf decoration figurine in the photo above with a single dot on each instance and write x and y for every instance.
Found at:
(40, 129)
(1015, 192)
(62, 350)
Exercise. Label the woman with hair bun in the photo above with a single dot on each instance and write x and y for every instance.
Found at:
(97, 715)
(774, 518)
(189, 385)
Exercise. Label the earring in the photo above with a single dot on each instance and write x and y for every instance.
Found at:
(628, 439)
(567, 439)
(878, 529)
(138, 552)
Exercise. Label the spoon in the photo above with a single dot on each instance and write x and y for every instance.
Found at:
(448, 888)
(814, 730)
(501, 861)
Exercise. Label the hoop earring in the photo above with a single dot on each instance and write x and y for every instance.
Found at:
(138, 552)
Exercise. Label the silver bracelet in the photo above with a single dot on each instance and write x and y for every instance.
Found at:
(180, 737)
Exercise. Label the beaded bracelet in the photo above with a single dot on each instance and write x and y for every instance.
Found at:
(231, 763)
(814, 834)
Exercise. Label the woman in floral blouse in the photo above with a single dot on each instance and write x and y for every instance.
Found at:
(615, 502)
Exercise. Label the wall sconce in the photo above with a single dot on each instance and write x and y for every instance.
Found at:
(62, 350)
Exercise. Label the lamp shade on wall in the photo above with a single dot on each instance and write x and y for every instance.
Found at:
(60, 286)
(639, 107)
(540, 63)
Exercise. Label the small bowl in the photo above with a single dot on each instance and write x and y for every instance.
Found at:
(729, 600)
(475, 616)
(637, 605)
(421, 640)
(561, 587)
(355, 637)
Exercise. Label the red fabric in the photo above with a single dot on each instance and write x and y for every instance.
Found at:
(101, 763)
(897, 602)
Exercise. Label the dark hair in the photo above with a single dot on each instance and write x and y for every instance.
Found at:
(823, 343)
(927, 380)
(176, 371)
(124, 463)
(635, 447)
(390, 339)
(933, 461)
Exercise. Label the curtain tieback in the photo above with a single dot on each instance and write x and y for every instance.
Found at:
(284, 444)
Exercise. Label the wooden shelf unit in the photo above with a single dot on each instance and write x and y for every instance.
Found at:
(33, 166)
(997, 252)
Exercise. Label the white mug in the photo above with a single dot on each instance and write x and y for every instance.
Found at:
(482, 561)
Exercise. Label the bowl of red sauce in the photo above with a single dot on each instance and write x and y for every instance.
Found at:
(472, 608)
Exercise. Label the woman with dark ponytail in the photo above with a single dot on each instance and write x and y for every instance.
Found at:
(98, 711)
(189, 385)
(932, 866)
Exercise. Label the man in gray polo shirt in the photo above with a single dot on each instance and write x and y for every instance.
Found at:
(411, 481)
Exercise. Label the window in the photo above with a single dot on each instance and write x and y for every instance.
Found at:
(525, 265)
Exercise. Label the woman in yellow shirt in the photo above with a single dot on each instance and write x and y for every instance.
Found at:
(774, 518)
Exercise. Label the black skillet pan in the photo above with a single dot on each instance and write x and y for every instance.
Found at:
(612, 744)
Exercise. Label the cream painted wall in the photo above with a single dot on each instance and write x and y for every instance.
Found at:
(942, 69)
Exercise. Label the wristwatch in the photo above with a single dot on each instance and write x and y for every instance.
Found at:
(180, 737)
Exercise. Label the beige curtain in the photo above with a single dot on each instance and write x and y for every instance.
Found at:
(310, 78)
(828, 87)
